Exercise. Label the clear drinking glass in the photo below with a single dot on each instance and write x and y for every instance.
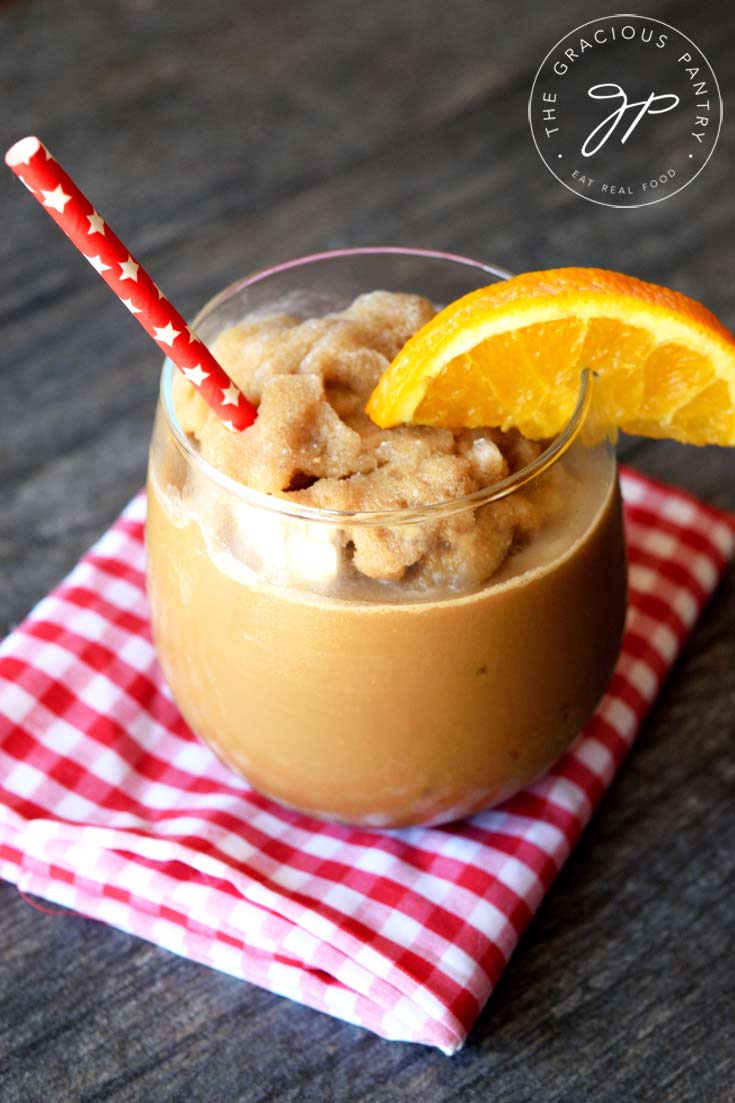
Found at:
(373, 702)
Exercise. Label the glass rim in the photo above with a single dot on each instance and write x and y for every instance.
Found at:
(317, 514)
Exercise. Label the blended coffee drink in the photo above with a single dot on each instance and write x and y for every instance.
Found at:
(382, 626)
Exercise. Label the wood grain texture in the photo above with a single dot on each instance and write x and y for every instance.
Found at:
(220, 137)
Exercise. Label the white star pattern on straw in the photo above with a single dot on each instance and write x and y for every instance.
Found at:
(131, 306)
(167, 334)
(97, 263)
(158, 289)
(195, 375)
(57, 199)
(192, 335)
(96, 225)
(129, 269)
(230, 395)
(230, 426)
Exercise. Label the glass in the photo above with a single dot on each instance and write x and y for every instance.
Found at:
(363, 700)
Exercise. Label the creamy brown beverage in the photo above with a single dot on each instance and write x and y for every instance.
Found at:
(386, 627)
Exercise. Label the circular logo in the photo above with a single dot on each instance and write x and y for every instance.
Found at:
(625, 111)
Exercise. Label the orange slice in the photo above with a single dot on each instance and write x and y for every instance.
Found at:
(511, 355)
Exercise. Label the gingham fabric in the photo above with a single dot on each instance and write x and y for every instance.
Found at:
(109, 806)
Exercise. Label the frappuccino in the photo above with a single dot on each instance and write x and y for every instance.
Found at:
(382, 626)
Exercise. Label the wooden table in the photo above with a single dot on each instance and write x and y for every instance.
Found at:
(216, 138)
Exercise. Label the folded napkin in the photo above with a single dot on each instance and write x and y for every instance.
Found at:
(110, 806)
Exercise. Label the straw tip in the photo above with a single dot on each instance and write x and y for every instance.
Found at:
(22, 151)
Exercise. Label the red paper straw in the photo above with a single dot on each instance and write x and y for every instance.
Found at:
(71, 210)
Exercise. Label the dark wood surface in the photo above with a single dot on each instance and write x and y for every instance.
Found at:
(217, 137)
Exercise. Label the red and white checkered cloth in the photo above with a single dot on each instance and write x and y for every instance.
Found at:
(108, 804)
